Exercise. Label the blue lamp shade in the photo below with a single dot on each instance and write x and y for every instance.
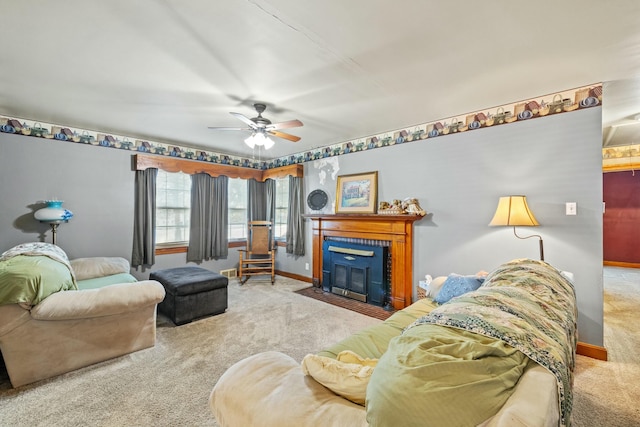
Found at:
(53, 212)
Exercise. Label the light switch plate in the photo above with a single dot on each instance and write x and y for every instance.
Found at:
(571, 208)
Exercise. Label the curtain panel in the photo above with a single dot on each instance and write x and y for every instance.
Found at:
(270, 203)
(144, 222)
(261, 200)
(209, 218)
(295, 220)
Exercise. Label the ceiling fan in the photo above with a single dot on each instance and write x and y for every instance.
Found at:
(260, 127)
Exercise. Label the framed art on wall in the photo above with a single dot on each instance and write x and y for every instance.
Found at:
(357, 193)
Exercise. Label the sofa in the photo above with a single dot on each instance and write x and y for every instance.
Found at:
(485, 357)
(58, 315)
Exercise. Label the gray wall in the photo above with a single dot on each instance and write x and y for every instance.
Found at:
(458, 180)
(95, 183)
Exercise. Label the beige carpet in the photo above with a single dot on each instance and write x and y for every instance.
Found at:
(169, 385)
(607, 394)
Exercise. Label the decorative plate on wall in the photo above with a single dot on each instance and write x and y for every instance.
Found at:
(317, 199)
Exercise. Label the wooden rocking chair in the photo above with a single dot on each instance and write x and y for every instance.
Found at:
(260, 255)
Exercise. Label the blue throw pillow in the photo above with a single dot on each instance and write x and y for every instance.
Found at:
(456, 285)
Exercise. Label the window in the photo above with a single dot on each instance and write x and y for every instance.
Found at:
(173, 199)
(282, 208)
(237, 209)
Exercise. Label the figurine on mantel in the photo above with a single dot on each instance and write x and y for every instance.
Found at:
(409, 206)
(393, 208)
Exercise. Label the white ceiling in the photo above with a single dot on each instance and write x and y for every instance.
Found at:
(165, 70)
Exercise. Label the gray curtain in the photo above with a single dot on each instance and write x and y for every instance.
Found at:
(270, 185)
(295, 221)
(261, 200)
(209, 218)
(144, 221)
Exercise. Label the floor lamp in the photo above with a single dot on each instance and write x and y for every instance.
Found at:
(53, 214)
(513, 211)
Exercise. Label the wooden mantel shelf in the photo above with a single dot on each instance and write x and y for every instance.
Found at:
(397, 229)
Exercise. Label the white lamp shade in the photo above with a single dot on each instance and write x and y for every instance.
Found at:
(512, 211)
(268, 143)
(259, 138)
(53, 212)
(250, 142)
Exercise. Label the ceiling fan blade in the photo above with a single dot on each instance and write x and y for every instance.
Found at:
(225, 128)
(284, 125)
(283, 135)
(245, 119)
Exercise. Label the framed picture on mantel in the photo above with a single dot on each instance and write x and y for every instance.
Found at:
(357, 193)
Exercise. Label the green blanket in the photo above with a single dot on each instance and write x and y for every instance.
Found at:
(30, 272)
(437, 376)
(27, 280)
(458, 364)
(373, 341)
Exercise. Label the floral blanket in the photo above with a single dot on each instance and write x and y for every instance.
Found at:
(529, 305)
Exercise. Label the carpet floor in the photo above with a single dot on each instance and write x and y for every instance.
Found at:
(169, 384)
(607, 393)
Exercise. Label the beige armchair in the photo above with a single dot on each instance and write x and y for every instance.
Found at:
(75, 328)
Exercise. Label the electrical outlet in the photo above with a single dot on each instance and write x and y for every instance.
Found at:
(571, 208)
(306, 266)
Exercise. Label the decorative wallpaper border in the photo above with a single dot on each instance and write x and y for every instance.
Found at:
(625, 157)
(562, 102)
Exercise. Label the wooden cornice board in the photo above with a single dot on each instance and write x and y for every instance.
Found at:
(177, 164)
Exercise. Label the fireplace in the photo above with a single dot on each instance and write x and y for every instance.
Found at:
(357, 271)
(395, 229)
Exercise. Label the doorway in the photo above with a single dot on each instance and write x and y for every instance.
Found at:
(621, 217)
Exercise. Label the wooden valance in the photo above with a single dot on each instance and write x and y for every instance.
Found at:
(176, 164)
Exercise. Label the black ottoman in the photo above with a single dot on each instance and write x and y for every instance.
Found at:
(192, 292)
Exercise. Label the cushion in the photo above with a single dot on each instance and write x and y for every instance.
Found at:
(347, 379)
(101, 282)
(348, 356)
(113, 300)
(189, 280)
(27, 280)
(434, 286)
(89, 268)
(456, 285)
(373, 341)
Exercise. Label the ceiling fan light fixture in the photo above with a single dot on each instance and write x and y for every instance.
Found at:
(268, 142)
(260, 139)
